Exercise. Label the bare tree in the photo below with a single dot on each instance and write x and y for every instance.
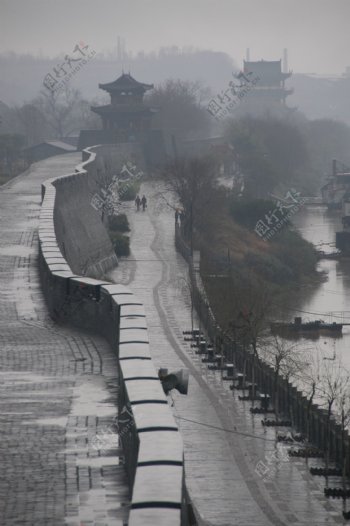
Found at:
(33, 123)
(286, 358)
(192, 181)
(250, 308)
(310, 380)
(343, 415)
(180, 107)
(333, 381)
(185, 287)
(60, 110)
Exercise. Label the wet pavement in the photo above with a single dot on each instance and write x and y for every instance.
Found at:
(235, 471)
(59, 455)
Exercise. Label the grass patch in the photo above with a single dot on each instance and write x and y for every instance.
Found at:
(247, 213)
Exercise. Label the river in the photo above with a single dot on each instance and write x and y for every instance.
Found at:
(318, 225)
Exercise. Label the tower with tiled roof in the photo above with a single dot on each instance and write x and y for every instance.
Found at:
(127, 115)
(270, 85)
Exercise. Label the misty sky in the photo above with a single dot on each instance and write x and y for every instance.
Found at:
(315, 32)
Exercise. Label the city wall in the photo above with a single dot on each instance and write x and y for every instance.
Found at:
(73, 241)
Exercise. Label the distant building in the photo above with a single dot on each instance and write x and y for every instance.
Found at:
(337, 187)
(127, 114)
(269, 89)
(46, 149)
(126, 119)
(342, 238)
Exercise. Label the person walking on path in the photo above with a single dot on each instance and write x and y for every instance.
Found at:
(144, 203)
(138, 202)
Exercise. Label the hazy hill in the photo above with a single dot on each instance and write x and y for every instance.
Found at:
(22, 76)
(319, 97)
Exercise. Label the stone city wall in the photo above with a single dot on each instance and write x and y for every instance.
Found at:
(70, 233)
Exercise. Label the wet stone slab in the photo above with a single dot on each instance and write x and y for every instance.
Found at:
(60, 459)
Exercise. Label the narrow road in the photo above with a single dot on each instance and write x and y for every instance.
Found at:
(58, 387)
(225, 446)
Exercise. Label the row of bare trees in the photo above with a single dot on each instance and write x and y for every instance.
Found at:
(252, 303)
(50, 115)
(56, 114)
(320, 375)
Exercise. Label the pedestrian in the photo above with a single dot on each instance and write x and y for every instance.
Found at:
(138, 202)
(144, 203)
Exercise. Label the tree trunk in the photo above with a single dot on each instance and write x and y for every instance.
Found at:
(343, 449)
(309, 411)
(253, 369)
(275, 392)
(328, 432)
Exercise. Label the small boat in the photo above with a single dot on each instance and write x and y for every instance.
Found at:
(300, 327)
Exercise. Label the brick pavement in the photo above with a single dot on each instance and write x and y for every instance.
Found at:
(220, 466)
(58, 388)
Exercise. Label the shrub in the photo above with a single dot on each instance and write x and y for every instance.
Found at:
(248, 213)
(121, 243)
(118, 222)
(294, 251)
(128, 190)
(270, 268)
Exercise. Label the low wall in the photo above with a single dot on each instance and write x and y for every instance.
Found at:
(150, 437)
(310, 420)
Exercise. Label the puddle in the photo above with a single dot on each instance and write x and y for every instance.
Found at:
(29, 199)
(90, 396)
(24, 377)
(16, 413)
(21, 294)
(98, 462)
(18, 386)
(17, 250)
(95, 503)
(59, 421)
(31, 222)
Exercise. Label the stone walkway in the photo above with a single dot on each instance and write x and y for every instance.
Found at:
(233, 479)
(58, 388)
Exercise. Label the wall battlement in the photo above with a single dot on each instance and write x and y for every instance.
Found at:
(148, 432)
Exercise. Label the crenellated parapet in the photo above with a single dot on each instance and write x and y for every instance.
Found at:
(149, 435)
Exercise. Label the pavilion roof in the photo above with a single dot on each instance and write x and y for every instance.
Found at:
(126, 83)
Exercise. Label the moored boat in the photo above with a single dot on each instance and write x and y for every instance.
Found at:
(315, 326)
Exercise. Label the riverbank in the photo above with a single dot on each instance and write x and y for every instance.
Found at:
(240, 271)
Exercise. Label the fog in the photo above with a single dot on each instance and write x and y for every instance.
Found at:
(314, 31)
(231, 119)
